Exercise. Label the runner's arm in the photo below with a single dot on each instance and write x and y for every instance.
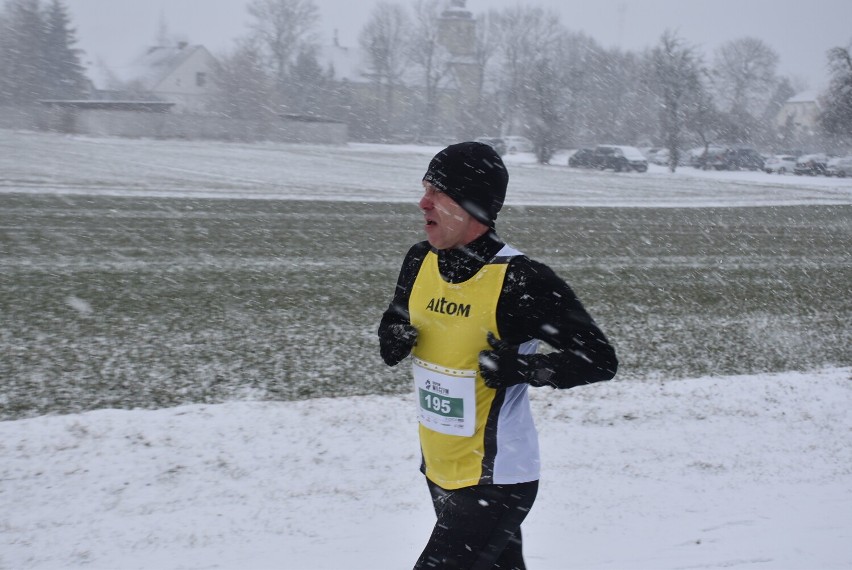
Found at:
(396, 335)
(537, 304)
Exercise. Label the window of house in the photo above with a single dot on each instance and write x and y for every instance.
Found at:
(200, 79)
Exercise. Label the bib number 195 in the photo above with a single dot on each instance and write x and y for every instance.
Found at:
(441, 405)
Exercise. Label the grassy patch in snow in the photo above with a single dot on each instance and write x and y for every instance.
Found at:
(129, 302)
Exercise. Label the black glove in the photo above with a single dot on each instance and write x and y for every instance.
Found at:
(396, 341)
(504, 367)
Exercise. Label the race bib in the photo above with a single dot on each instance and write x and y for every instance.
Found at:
(446, 398)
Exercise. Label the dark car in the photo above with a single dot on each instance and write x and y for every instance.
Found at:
(736, 158)
(811, 164)
(619, 158)
(582, 158)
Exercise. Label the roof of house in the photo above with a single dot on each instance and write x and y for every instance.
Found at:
(156, 63)
(147, 69)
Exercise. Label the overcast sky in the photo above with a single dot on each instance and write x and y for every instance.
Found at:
(114, 31)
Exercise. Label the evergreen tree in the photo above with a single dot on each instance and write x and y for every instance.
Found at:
(21, 58)
(774, 132)
(37, 55)
(243, 89)
(836, 117)
(306, 90)
(64, 76)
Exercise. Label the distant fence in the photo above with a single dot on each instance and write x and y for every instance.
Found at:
(152, 121)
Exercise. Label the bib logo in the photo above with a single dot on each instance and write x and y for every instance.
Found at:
(448, 307)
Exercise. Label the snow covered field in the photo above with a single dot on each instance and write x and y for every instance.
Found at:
(737, 472)
(716, 472)
(364, 173)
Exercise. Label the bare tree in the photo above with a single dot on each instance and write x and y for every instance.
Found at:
(282, 29)
(745, 79)
(526, 32)
(616, 100)
(579, 58)
(674, 77)
(548, 95)
(427, 53)
(702, 118)
(384, 39)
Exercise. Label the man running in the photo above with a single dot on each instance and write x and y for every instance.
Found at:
(472, 311)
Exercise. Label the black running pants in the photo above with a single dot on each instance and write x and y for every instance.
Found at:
(478, 528)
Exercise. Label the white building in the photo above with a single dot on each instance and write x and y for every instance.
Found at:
(180, 74)
(801, 111)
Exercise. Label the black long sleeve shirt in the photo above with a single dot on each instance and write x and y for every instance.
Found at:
(535, 303)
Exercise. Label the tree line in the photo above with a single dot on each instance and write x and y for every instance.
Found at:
(530, 75)
(534, 77)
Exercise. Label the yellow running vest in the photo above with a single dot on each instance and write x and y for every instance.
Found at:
(470, 434)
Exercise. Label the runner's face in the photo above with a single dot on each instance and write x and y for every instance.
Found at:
(448, 225)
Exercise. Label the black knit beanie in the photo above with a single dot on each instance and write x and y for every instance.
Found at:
(473, 175)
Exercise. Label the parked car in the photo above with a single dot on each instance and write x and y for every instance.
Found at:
(649, 151)
(840, 167)
(700, 157)
(660, 157)
(736, 158)
(496, 143)
(518, 144)
(619, 158)
(582, 158)
(780, 163)
(811, 164)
